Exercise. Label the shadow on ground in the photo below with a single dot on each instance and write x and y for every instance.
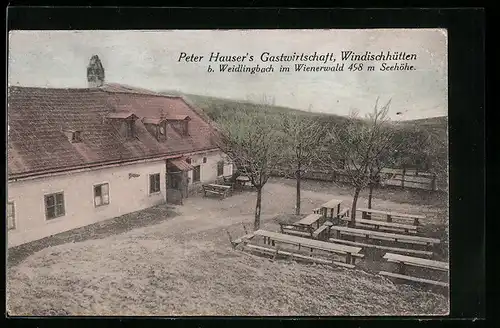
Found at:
(99, 230)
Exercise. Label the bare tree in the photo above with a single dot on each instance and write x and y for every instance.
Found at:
(364, 145)
(251, 140)
(303, 135)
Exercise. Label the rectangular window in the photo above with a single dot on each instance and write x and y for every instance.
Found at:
(154, 183)
(11, 221)
(76, 137)
(101, 194)
(220, 168)
(196, 173)
(54, 205)
(130, 129)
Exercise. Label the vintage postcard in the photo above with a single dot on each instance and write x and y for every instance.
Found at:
(228, 173)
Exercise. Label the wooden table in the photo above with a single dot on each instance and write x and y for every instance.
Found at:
(373, 234)
(349, 251)
(220, 190)
(242, 180)
(382, 225)
(404, 261)
(366, 215)
(310, 220)
(331, 205)
(418, 262)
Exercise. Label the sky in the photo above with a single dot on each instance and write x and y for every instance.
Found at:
(150, 59)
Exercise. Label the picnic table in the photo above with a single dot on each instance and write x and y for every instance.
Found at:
(350, 252)
(368, 213)
(382, 225)
(310, 221)
(216, 189)
(331, 205)
(373, 234)
(228, 180)
(404, 261)
(242, 180)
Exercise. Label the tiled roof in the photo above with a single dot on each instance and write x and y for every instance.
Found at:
(149, 120)
(38, 116)
(115, 87)
(121, 115)
(178, 117)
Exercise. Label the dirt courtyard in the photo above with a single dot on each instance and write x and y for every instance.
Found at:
(182, 264)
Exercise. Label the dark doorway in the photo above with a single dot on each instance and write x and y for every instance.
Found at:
(177, 181)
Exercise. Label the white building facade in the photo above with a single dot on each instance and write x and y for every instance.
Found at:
(46, 205)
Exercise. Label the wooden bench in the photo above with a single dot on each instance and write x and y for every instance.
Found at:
(244, 238)
(411, 278)
(368, 214)
(228, 181)
(347, 252)
(382, 225)
(215, 189)
(386, 236)
(344, 214)
(404, 261)
(321, 233)
(291, 229)
(276, 251)
(387, 248)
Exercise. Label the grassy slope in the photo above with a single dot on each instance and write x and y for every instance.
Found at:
(139, 274)
(210, 104)
(213, 107)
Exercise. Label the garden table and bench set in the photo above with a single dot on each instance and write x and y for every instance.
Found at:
(226, 186)
(303, 249)
(329, 229)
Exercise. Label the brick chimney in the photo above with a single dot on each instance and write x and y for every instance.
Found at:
(95, 72)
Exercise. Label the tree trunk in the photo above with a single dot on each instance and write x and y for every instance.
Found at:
(370, 195)
(256, 224)
(297, 201)
(352, 222)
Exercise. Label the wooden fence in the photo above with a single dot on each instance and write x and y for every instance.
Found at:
(388, 177)
(408, 179)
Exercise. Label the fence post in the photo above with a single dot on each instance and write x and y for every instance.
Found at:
(403, 178)
(433, 182)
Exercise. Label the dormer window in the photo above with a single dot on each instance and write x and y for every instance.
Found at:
(130, 132)
(124, 122)
(156, 126)
(184, 128)
(76, 136)
(180, 124)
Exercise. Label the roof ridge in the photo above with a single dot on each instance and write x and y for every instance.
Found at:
(134, 90)
(51, 88)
